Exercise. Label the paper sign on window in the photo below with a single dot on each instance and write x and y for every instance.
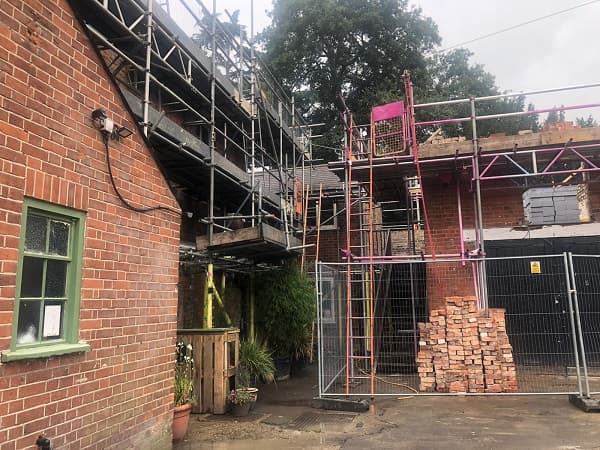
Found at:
(52, 316)
(535, 267)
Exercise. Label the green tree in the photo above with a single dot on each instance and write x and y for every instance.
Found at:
(227, 39)
(359, 49)
(320, 49)
(286, 308)
(555, 117)
(452, 76)
(586, 123)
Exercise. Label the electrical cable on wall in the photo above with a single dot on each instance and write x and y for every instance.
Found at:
(110, 130)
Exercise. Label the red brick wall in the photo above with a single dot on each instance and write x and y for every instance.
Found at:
(594, 196)
(501, 208)
(330, 240)
(446, 279)
(190, 310)
(119, 394)
(328, 246)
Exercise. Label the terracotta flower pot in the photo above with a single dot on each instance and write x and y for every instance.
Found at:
(181, 418)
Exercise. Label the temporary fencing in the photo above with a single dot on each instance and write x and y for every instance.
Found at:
(417, 327)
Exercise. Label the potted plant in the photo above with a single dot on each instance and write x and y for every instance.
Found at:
(240, 400)
(255, 363)
(300, 353)
(183, 388)
(286, 309)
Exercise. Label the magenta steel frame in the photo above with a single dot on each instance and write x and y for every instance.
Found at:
(483, 163)
(560, 151)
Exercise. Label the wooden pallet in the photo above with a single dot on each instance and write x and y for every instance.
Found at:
(215, 357)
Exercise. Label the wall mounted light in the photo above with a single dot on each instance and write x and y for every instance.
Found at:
(108, 127)
(124, 132)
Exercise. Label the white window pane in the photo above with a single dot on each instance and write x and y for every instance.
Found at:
(35, 233)
(53, 320)
(59, 238)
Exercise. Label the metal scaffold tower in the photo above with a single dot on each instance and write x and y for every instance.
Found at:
(224, 131)
(387, 149)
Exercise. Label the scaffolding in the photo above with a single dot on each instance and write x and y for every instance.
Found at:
(224, 131)
(388, 159)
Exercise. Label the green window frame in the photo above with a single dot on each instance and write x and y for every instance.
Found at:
(46, 314)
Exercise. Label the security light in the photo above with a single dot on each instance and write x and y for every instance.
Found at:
(108, 127)
(124, 132)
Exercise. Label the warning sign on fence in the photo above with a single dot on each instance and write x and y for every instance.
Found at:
(535, 267)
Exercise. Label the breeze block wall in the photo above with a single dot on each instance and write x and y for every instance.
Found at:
(120, 393)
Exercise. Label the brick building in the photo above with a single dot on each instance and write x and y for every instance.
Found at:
(507, 230)
(558, 213)
(99, 264)
(508, 224)
(88, 291)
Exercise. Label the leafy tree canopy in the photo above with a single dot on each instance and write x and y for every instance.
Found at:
(554, 117)
(320, 49)
(586, 122)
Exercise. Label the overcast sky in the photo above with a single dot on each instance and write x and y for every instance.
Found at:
(554, 52)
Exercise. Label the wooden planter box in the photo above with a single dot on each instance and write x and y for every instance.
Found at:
(215, 357)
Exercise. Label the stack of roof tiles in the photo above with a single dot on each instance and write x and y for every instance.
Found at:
(462, 349)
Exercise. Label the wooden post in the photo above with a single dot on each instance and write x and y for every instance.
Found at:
(304, 230)
(219, 379)
(223, 284)
(205, 303)
(220, 298)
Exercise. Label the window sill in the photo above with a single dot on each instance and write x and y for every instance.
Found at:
(44, 351)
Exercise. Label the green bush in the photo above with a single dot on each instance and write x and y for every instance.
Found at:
(255, 361)
(286, 303)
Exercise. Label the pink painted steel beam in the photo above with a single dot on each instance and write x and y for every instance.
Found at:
(498, 116)
(509, 95)
(524, 175)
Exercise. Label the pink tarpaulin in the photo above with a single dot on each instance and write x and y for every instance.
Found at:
(388, 111)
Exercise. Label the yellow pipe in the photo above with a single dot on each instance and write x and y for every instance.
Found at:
(221, 303)
(208, 298)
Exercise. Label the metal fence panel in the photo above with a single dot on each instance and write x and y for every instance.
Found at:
(331, 325)
(586, 286)
(535, 292)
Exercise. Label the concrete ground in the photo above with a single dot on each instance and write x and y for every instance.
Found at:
(284, 419)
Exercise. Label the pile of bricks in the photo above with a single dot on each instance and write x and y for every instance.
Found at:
(462, 349)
